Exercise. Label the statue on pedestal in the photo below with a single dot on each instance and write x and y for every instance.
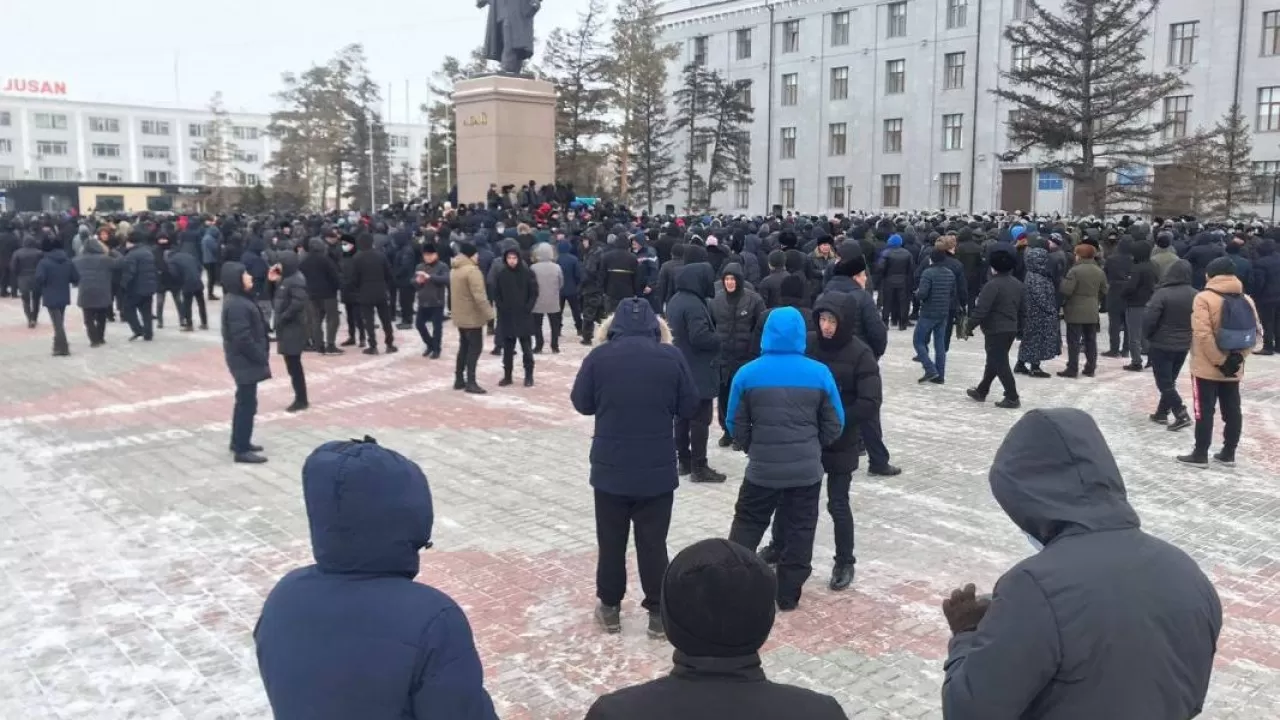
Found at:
(508, 36)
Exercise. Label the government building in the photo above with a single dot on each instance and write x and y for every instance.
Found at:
(881, 105)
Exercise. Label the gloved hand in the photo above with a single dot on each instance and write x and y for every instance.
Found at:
(964, 610)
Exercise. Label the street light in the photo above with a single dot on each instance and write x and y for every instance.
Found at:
(1275, 192)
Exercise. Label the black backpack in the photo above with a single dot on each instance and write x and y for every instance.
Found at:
(1239, 327)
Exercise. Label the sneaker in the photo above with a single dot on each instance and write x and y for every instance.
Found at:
(886, 471)
(349, 342)
(1194, 460)
(1268, 351)
(585, 341)
(426, 353)
(435, 355)
(707, 475)
(770, 555)
(1021, 369)
(1159, 418)
(392, 348)
(404, 326)
(1089, 372)
(528, 381)
(1038, 373)
(252, 448)
(371, 350)
(609, 618)
(788, 605)
(333, 350)
(496, 351)
(474, 389)
(975, 395)
(657, 630)
(841, 577)
(927, 377)
(1112, 354)
(725, 440)
(1180, 420)
(684, 467)
(1068, 374)
(1132, 367)
(504, 382)
(1009, 403)
(250, 458)
(297, 407)
(939, 380)
(1226, 458)
(459, 383)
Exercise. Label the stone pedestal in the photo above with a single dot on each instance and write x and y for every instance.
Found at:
(506, 133)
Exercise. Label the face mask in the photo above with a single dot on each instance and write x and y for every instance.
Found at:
(1035, 544)
(347, 247)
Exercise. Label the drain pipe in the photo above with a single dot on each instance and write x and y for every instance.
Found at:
(768, 133)
(977, 90)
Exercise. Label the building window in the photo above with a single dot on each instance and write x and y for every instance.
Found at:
(790, 89)
(1021, 58)
(837, 138)
(791, 36)
(787, 147)
(840, 83)
(1270, 34)
(839, 29)
(1268, 109)
(744, 91)
(51, 121)
(104, 125)
(245, 132)
(953, 78)
(398, 141)
(957, 12)
(111, 176)
(743, 43)
(952, 132)
(949, 190)
(246, 157)
(108, 203)
(160, 177)
(49, 147)
(700, 146)
(890, 190)
(787, 192)
(104, 150)
(57, 173)
(1182, 42)
(897, 19)
(251, 180)
(1265, 176)
(835, 191)
(1014, 116)
(6, 118)
(700, 50)
(1021, 9)
(6, 146)
(893, 135)
(198, 130)
(895, 77)
(1177, 110)
(155, 127)
(741, 194)
(155, 152)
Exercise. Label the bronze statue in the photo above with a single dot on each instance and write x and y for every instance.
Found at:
(508, 36)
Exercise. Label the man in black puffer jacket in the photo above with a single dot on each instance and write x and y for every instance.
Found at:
(371, 277)
(1136, 293)
(1167, 331)
(1207, 248)
(323, 282)
(1266, 294)
(1117, 264)
(738, 313)
(245, 348)
(693, 332)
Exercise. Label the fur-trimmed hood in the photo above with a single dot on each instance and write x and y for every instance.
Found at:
(633, 316)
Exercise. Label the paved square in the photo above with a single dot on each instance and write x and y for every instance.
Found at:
(134, 556)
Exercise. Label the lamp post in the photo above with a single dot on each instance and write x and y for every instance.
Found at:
(1275, 192)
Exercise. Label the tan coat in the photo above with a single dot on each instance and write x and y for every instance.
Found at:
(468, 302)
(1206, 318)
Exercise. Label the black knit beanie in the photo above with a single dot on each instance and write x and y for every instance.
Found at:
(718, 600)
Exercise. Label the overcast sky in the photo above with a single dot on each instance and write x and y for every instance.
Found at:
(125, 51)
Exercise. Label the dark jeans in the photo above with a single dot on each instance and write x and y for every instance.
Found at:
(198, 298)
(1207, 395)
(615, 515)
(797, 509)
(997, 347)
(896, 306)
(1134, 318)
(470, 345)
(406, 296)
(293, 363)
(1088, 336)
(434, 316)
(177, 305)
(383, 312)
(873, 440)
(509, 355)
(691, 435)
(1269, 317)
(242, 417)
(211, 272)
(1166, 364)
(31, 304)
(1115, 328)
(324, 322)
(58, 315)
(137, 312)
(355, 322)
(841, 519)
(936, 330)
(722, 398)
(95, 324)
(575, 307)
(556, 322)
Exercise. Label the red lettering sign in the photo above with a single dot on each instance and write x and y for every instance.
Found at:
(34, 87)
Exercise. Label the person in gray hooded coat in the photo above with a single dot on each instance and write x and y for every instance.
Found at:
(1104, 622)
(96, 270)
(550, 278)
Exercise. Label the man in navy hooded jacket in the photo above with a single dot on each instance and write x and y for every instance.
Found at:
(353, 636)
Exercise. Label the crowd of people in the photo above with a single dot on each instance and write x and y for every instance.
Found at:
(773, 328)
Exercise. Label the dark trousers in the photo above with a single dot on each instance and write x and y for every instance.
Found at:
(95, 324)
(406, 295)
(1207, 395)
(297, 378)
(242, 417)
(997, 347)
(177, 305)
(6, 278)
(575, 307)
(31, 305)
(1166, 364)
(58, 316)
(212, 281)
(1134, 317)
(722, 398)
(797, 509)
(841, 513)
(355, 322)
(383, 312)
(873, 441)
(198, 299)
(137, 312)
(470, 345)
(435, 317)
(1078, 335)
(615, 515)
(509, 355)
(1116, 328)
(691, 435)
(324, 322)
(1269, 316)
(895, 306)
(556, 322)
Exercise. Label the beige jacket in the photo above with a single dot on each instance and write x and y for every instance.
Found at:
(1206, 318)
(468, 302)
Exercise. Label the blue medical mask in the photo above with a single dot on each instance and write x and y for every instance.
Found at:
(1035, 544)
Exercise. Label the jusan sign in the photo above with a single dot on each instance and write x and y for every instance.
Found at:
(32, 86)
